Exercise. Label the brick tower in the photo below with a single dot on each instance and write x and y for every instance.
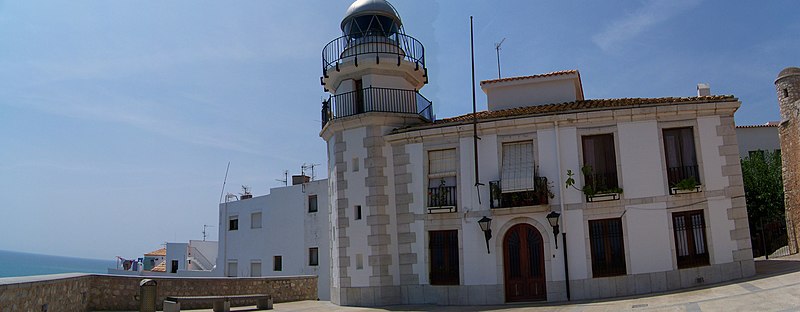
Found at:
(788, 87)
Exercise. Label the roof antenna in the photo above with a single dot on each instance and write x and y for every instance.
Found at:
(223, 182)
(497, 47)
(204, 231)
(285, 178)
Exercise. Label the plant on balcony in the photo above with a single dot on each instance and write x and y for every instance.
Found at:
(687, 184)
(592, 190)
(439, 198)
(544, 190)
(496, 193)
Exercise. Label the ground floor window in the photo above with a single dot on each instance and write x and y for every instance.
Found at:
(255, 269)
(277, 263)
(443, 247)
(608, 248)
(233, 268)
(690, 238)
(313, 256)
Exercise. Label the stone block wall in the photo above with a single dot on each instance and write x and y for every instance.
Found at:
(77, 292)
(788, 92)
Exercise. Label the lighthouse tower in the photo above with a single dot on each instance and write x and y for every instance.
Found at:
(373, 73)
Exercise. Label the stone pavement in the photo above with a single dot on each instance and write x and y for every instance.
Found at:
(776, 287)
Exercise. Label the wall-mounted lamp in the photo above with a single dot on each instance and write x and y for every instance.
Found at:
(486, 227)
(552, 217)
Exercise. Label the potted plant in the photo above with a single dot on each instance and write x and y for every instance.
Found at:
(687, 185)
(497, 193)
(594, 191)
(543, 190)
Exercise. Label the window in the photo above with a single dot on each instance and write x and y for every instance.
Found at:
(312, 203)
(233, 267)
(680, 155)
(608, 248)
(785, 92)
(355, 164)
(277, 263)
(255, 269)
(517, 174)
(255, 220)
(600, 163)
(442, 178)
(359, 93)
(443, 247)
(233, 223)
(690, 238)
(359, 261)
(357, 212)
(313, 256)
(173, 268)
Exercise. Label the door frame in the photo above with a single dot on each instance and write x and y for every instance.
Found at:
(547, 239)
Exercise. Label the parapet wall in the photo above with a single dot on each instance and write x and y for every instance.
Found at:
(89, 292)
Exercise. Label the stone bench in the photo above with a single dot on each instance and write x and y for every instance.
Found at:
(221, 303)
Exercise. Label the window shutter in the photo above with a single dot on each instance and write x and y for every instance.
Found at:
(442, 163)
(518, 167)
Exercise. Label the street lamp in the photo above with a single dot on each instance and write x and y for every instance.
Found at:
(552, 217)
(486, 227)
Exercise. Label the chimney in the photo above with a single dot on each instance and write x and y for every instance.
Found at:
(300, 179)
(703, 89)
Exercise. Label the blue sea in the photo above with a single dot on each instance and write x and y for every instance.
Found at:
(26, 264)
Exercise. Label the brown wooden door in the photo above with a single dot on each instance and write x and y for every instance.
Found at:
(523, 259)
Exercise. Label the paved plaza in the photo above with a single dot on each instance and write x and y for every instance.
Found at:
(776, 287)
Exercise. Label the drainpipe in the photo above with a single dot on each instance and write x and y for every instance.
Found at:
(561, 205)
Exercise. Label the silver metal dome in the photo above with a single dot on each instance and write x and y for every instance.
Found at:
(371, 7)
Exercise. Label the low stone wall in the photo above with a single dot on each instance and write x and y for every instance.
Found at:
(78, 292)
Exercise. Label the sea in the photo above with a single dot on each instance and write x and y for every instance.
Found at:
(26, 264)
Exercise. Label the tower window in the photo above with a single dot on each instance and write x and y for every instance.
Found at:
(785, 92)
(357, 212)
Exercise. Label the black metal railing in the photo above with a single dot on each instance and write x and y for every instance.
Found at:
(442, 197)
(393, 47)
(602, 182)
(540, 195)
(678, 174)
(769, 237)
(374, 99)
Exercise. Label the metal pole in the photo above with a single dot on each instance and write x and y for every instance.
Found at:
(475, 137)
(566, 267)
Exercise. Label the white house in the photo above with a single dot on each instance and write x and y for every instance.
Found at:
(195, 258)
(754, 138)
(657, 201)
(279, 234)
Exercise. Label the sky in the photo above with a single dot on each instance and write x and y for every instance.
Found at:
(118, 118)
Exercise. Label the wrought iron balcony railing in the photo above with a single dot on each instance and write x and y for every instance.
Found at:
(442, 198)
(538, 196)
(678, 174)
(393, 48)
(374, 99)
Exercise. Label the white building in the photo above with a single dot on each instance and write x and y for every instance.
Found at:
(195, 258)
(661, 208)
(753, 138)
(279, 234)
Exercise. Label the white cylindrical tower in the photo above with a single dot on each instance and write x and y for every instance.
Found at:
(373, 73)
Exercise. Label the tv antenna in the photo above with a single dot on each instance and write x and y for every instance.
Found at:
(285, 179)
(204, 230)
(497, 47)
(311, 166)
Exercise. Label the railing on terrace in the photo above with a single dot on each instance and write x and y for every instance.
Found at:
(601, 182)
(374, 99)
(393, 48)
(538, 196)
(442, 198)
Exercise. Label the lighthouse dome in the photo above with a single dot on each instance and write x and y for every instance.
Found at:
(373, 17)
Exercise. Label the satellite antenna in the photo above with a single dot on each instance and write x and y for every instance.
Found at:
(204, 230)
(497, 47)
(285, 179)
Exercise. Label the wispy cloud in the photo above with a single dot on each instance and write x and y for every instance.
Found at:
(650, 14)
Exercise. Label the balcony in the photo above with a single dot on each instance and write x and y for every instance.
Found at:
(539, 196)
(374, 99)
(683, 179)
(394, 47)
(442, 199)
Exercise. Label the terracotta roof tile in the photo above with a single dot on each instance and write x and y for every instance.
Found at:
(161, 267)
(572, 107)
(771, 124)
(556, 73)
(155, 253)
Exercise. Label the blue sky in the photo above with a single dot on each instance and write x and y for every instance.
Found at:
(119, 117)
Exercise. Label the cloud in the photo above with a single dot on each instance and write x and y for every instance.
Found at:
(652, 13)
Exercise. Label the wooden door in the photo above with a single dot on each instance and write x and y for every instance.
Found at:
(523, 264)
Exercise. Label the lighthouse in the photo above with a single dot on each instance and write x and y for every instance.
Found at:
(373, 73)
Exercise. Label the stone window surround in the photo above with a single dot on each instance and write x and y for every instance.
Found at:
(516, 138)
(709, 234)
(662, 125)
(443, 222)
(587, 131)
(427, 148)
(608, 210)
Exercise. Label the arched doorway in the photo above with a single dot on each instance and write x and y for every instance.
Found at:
(523, 264)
